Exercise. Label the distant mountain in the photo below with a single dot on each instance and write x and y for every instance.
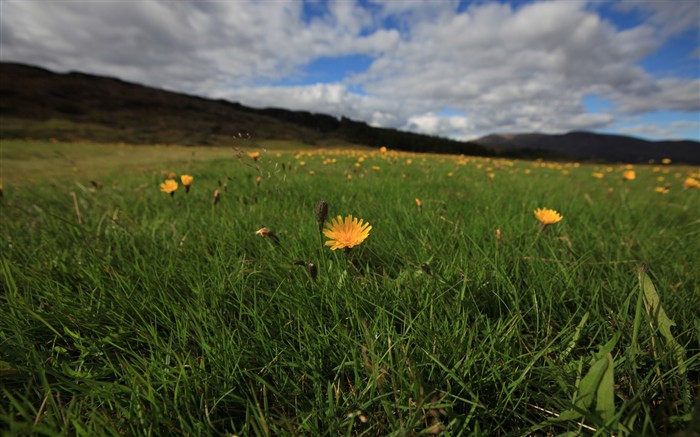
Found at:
(593, 146)
(40, 104)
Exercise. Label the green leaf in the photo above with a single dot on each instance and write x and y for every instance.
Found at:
(663, 323)
(605, 400)
(587, 389)
(652, 303)
(574, 339)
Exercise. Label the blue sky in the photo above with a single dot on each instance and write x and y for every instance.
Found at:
(458, 69)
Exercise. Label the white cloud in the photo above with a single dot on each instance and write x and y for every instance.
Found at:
(653, 130)
(500, 68)
(670, 17)
(663, 94)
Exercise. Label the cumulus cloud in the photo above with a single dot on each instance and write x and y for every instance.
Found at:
(669, 17)
(497, 67)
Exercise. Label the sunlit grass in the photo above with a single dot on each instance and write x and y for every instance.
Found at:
(128, 311)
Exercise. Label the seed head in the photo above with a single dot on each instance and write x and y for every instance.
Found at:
(312, 269)
(321, 214)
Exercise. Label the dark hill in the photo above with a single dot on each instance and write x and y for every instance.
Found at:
(37, 103)
(40, 104)
(593, 146)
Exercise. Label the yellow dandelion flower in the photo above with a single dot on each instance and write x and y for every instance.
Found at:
(346, 233)
(186, 182)
(548, 216)
(662, 190)
(691, 182)
(168, 186)
(375, 167)
(598, 175)
(666, 161)
(382, 150)
(629, 175)
(254, 155)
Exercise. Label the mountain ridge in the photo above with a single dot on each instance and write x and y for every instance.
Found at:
(595, 146)
(38, 103)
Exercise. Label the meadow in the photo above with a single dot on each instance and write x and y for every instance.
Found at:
(126, 310)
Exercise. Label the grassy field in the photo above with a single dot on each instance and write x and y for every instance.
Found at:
(127, 311)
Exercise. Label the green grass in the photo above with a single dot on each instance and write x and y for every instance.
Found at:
(138, 313)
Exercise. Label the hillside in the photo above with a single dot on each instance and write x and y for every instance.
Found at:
(40, 104)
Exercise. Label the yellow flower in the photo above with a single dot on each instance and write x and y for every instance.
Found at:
(169, 186)
(666, 161)
(346, 233)
(629, 175)
(547, 216)
(662, 190)
(598, 175)
(254, 155)
(691, 183)
(382, 150)
(186, 180)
